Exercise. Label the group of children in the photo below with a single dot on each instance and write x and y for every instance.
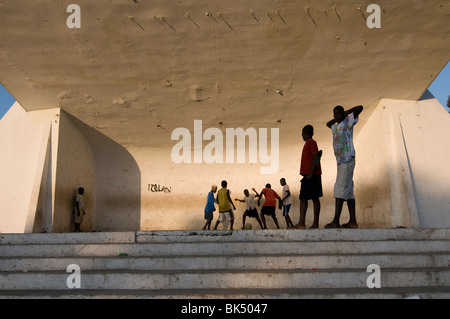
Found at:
(311, 183)
(223, 199)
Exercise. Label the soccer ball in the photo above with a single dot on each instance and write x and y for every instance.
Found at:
(248, 226)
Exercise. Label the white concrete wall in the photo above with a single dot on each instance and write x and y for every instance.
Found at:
(25, 142)
(402, 175)
(46, 156)
(189, 184)
(43, 219)
(116, 200)
(426, 138)
(371, 177)
(75, 168)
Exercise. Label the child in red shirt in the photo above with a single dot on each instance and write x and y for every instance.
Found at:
(311, 183)
(269, 204)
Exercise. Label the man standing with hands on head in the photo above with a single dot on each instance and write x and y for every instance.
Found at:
(342, 129)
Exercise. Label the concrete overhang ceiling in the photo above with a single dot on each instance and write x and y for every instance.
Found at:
(136, 70)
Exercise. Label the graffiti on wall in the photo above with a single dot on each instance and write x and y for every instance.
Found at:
(156, 188)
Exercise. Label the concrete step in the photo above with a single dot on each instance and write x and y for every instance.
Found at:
(276, 261)
(225, 295)
(229, 236)
(228, 279)
(215, 264)
(294, 235)
(224, 248)
(68, 238)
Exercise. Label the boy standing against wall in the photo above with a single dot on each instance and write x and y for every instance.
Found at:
(311, 183)
(79, 212)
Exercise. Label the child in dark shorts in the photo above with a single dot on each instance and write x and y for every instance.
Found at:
(311, 183)
(209, 208)
(269, 204)
(250, 210)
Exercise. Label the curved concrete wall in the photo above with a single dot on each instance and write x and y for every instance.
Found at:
(117, 186)
(46, 156)
(75, 168)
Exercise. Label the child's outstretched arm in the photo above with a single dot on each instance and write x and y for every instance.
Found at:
(259, 199)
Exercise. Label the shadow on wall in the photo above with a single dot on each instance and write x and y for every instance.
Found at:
(403, 175)
(112, 179)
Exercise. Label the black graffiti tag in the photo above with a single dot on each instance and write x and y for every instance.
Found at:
(156, 188)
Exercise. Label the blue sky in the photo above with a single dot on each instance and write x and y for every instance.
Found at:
(440, 89)
(6, 101)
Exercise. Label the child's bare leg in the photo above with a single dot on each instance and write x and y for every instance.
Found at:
(316, 203)
(276, 222)
(207, 224)
(351, 203)
(303, 209)
(288, 221)
(263, 221)
(337, 214)
(259, 221)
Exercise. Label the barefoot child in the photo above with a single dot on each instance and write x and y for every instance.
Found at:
(269, 204)
(209, 208)
(311, 183)
(224, 200)
(342, 129)
(286, 201)
(250, 210)
(79, 211)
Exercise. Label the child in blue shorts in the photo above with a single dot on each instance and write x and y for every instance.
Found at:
(287, 202)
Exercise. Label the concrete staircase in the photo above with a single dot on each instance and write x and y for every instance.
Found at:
(323, 263)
